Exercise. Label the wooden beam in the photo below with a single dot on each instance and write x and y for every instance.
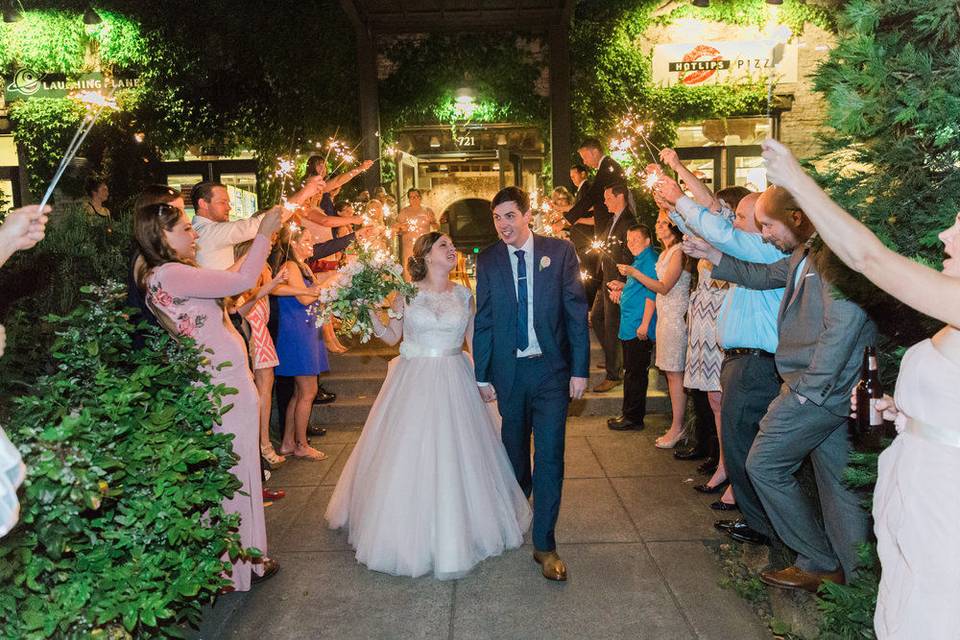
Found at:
(560, 118)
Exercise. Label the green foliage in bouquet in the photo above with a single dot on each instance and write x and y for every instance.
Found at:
(121, 531)
(360, 286)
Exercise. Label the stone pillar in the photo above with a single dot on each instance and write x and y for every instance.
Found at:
(560, 119)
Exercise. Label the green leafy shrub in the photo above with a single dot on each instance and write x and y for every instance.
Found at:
(121, 531)
(77, 250)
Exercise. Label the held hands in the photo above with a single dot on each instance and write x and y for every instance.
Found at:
(488, 393)
(782, 168)
(670, 158)
(271, 221)
(577, 387)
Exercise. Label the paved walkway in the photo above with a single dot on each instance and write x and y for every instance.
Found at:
(633, 532)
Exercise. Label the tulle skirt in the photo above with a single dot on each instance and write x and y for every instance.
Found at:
(429, 487)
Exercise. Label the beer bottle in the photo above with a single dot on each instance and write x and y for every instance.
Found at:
(869, 423)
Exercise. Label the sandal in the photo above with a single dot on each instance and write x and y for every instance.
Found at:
(268, 453)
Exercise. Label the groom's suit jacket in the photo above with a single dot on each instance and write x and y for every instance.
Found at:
(559, 313)
(822, 334)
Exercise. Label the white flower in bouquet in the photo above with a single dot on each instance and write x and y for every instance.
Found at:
(372, 275)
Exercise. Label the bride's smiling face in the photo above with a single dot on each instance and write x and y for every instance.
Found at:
(443, 255)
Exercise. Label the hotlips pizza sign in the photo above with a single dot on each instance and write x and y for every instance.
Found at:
(719, 62)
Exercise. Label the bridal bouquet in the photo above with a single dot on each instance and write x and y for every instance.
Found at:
(362, 283)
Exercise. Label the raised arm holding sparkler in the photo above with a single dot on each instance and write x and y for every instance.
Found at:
(701, 192)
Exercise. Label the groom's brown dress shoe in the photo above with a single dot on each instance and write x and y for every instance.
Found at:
(552, 566)
(607, 385)
(797, 578)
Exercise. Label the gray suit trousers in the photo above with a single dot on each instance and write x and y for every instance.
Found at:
(788, 433)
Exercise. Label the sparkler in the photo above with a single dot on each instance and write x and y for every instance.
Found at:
(330, 144)
(95, 104)
(348, 156)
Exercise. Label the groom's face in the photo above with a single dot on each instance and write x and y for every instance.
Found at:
(513, 225)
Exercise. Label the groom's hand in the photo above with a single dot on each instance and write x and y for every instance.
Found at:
(488, 393)
(577, 387)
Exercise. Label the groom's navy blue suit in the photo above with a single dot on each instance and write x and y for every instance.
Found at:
(533, 392)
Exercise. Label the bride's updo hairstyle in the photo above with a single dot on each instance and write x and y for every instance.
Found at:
(417, 263)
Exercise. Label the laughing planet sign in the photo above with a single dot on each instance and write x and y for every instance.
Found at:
(707, 63)
(25, 84)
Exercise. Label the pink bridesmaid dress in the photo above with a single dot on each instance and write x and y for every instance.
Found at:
(189, 297)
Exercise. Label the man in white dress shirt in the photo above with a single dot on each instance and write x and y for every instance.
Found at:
(217, 234)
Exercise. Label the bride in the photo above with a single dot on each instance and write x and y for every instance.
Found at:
(429, 486)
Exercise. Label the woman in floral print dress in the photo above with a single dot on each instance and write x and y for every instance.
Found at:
(187, 301)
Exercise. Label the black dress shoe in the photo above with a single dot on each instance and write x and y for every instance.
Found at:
(725, 525)
(707, 467)
(324, 397)
(706, 488)
(720, 505)
(693, 453)
(624, 424)
(741, 532)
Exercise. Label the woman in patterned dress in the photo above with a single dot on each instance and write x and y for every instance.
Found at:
(704, 354)
(254, 306)
(672, 287)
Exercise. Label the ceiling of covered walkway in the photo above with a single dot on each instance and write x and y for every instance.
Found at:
(411, 16)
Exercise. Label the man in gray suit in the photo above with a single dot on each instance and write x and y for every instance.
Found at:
(822, 337)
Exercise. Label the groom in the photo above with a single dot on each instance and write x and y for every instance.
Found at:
(531, 350)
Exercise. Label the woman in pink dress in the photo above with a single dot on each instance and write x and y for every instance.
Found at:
(187, 301)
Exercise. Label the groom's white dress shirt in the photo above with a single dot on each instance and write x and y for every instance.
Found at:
(533, 345)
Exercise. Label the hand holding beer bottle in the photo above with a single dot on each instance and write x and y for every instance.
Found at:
(868, 404)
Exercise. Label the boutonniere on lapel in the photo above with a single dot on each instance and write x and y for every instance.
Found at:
(544, 262)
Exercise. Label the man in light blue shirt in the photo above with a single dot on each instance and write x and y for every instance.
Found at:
(747, 328)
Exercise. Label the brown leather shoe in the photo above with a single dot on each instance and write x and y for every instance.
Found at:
(606, 385)
(552, 566)
(796, 578)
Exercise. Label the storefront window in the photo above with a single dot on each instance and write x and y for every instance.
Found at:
(726, 152)
(242, 188)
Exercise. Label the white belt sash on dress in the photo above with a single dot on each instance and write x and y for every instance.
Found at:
(933, 433)
(413, 350)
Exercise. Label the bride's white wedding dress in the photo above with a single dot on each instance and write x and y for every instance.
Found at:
(428, 486)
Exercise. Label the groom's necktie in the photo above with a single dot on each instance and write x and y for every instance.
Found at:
(523, 337)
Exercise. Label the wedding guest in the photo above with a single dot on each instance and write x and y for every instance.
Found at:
(638, 325)
(217, 235)
(188, 301)
(822, 338)
(747, 332)
(254, 306)
(96, 192)
(605, 316)
(915, 508)
(21, 229)
(705, 356)
(672, 286)
(583, 233)
(414, 221)
(608, 173)
(152, 194)
(299, 347)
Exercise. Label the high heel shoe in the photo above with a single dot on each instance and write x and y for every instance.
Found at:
(662, 443)
(706, 488)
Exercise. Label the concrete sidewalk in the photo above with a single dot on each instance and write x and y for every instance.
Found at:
(632, 530)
